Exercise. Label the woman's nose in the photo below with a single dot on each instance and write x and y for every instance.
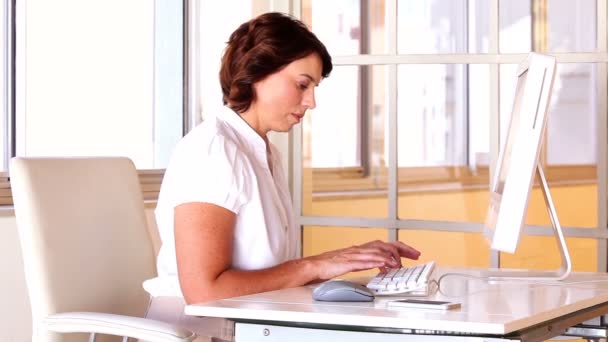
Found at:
(309, 99)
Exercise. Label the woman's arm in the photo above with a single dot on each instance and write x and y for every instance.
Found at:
(203, 243)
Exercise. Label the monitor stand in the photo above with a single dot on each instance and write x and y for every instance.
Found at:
(531, 275)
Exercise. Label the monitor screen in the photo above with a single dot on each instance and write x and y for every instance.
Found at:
(518, 159)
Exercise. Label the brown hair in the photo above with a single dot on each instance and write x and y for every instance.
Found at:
(263, 46)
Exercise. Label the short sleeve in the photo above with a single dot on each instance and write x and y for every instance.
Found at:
(214, 171)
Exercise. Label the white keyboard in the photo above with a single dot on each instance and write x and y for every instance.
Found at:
(412, 280)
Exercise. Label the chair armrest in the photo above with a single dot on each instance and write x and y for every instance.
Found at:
(118, 325)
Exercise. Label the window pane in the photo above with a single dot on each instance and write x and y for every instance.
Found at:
(478, 26)
(515, 20)
(443, 142)
(88, 91)
(583, 252)
(478, 97)
(335, 121)
(454, 201)
(440, 26)
(338, 24)
(431, 26)
(432, 116)
(560, 26)
(447, 248)
(379, 119)
(572, 123)
(338, 156)
(572, 25)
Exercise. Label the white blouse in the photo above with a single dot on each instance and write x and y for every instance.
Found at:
(223, 161)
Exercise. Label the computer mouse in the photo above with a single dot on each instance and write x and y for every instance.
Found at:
(342, 291)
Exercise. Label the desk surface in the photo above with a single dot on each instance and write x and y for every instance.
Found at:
(487, 308)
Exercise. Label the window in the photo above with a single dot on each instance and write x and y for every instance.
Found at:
(93, 80)
(408, 152)
(442, 108)
(87, 91)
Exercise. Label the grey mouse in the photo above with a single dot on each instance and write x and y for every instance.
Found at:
(342, 291)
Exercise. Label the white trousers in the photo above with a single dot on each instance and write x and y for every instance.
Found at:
(171, 310)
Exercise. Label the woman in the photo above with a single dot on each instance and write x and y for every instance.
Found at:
(224, 211)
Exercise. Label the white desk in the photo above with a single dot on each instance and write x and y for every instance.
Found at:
(507, 310)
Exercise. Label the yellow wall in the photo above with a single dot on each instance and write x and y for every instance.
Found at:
(576, 205)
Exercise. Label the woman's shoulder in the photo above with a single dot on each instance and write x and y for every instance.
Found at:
(210, 136)
(210, 144)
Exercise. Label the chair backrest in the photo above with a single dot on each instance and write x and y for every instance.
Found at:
(83, 234)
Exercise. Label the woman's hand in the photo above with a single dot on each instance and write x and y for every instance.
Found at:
(362, 257)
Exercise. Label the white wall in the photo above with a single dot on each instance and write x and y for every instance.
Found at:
(15, 320)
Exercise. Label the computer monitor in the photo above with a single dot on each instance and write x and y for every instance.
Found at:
(517, 165)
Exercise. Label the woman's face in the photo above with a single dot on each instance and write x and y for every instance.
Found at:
(283, 98)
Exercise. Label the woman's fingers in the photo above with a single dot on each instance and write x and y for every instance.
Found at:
(374, 254)
(396, 249)
(406, 251)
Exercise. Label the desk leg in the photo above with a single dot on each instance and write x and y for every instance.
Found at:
(249, 332)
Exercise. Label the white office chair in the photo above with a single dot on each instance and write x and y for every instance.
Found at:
(86, 249)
